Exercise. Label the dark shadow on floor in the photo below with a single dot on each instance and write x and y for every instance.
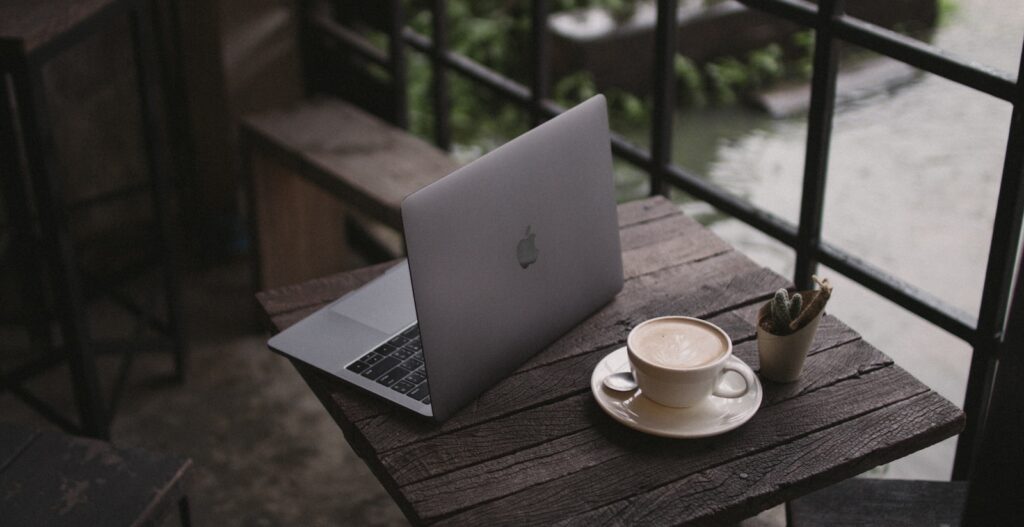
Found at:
(265, 450)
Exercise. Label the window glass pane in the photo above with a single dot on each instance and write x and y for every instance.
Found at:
(914, 175)
(986, 31)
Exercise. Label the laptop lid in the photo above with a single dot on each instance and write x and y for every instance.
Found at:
(511, 251)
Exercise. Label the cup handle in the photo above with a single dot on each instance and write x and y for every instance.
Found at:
(748, 382)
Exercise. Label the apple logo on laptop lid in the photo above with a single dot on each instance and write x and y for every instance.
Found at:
(526, 250)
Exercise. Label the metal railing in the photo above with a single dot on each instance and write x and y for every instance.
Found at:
(826, 17)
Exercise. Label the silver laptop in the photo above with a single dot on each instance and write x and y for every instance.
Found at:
(505, 255)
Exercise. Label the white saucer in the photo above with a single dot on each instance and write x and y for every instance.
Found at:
(713, 416)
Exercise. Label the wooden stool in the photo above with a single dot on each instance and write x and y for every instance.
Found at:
(32, 182)
(48, 478)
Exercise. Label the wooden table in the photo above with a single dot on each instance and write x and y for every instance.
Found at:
(536, 449)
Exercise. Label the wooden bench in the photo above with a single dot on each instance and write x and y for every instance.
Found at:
(310, 167)
(48, 478)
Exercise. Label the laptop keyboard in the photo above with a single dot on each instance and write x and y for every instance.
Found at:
(397, 364)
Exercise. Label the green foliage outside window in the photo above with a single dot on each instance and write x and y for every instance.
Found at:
(496, 33)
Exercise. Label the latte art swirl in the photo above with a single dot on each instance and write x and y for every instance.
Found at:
(677, 343)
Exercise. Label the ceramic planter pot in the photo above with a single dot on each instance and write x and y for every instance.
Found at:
(782, 356)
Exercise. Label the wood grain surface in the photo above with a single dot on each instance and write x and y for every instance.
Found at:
(536, 450)
(357, 157)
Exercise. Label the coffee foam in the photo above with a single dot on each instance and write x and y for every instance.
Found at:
(678, 343)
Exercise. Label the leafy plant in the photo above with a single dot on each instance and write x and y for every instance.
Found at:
(804, 42)
(946, 10)
(628, 107)
(689, 81)
(765, 65)
(576, 87)
(495, 33)
(727, 77)
(579, 86)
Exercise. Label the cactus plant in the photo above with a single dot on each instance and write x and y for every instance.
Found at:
(786, 326)
(784, 310)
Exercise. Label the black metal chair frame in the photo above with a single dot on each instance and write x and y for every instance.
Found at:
(38, 218)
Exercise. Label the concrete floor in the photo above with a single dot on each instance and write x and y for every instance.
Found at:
(266, 453)
(265, 450)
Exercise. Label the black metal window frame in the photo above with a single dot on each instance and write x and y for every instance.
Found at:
(984, 332)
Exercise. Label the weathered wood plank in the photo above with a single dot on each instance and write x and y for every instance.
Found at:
(667, 254)
(738, 489)
(405, 471)
(350, 153)
(628, 462)
(735, 325)
(535, 385)
(507, 470)
(842, 363)
(839, 336)
(649, 247)
(669, 227)
(644, 210)
(520, 391)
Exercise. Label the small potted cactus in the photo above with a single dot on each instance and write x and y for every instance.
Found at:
(785, 329)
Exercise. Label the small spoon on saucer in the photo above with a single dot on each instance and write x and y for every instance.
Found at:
(622, 381)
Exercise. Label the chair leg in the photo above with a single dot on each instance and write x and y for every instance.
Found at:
(59, 250)
(184, 514)
(141, 21)
(252, 204)
(25, 248)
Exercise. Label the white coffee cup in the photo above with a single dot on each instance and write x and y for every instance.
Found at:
(679, 361)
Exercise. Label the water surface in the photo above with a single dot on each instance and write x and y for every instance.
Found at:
(913, 178)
